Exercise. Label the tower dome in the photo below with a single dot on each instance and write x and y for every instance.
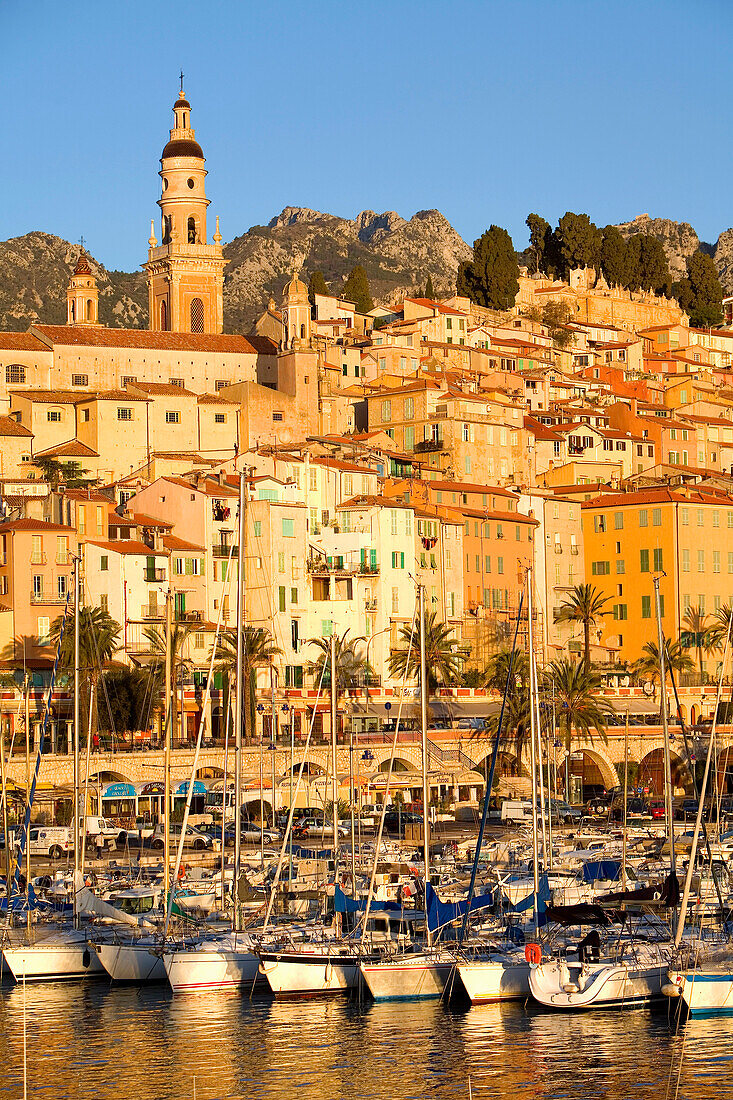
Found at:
(82, 295)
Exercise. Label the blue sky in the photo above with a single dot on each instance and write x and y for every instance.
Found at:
(484, 110)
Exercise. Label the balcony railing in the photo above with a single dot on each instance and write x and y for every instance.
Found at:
(348, 568)
(222, 550)
(152, 575)
(64, 558)
(47, 597)
(429, 445)
(38, 559)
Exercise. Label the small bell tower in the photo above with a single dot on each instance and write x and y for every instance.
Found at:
(82, 295)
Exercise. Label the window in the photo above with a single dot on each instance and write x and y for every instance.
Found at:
(395, 601)
(43, 629)
(730, 562)
(15, 373)
(618, 521)
(620, 565)
(599, 524)
(258, 528)
(281, 563)
(54, 415)
(281, 599)
(172, 417)
(294, 595)
(701, 561)
(700, 517)
(104, 563)
(646, 607)
(393, 521)
(386, 411)
(658, 567)
(220, 418)
(197, 306)
(410, 438)
(124, 414)
(716, 518)
(716, 561)
(288, 528)
(685, 561)
(85, 415)
(656, 517)
(37, 586)
(620, 611)
(398, 559)
(103, 601)
(178, 382)
(220, 384)
(409, 408)
(37, 555)
(685, 516)
(81, 380)
(643, 517)
(600, 568)
(499, 565)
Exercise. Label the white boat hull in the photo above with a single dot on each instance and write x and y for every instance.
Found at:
(210, 969)
(56, 959)
(705, 990)
(487, 980)
(610, 985)
(309, 974)
(418, 977)
(131, 962)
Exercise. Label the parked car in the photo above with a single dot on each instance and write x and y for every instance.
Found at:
(395, 821)
(657, 809)
(313, 827)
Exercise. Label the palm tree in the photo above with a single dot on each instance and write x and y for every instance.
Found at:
(351, 666)
(258, 651)
(441, 659)
(579, 709)
(516, 709)
(700, 633)
(584, 604)
(15, 675)
(98, 642)
(647, 666)
(156, 637)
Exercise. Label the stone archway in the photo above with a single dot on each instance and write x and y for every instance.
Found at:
(651, 772)
(399, 764)
(592, 764)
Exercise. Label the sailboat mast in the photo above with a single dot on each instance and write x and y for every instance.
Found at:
(240, 696)
(424, 734)
(532, 751)
(334, 758)
(77, 611)
(665, 730)
(169, 703)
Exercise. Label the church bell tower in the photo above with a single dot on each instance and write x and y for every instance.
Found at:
(185, 273)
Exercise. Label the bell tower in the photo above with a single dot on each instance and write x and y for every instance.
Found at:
(185, 273)
(82, 296)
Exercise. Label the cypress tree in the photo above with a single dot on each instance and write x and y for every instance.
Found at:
(356, 290)
(579, 242)
(700, 293)
(614, 260)
(491, 278)
(429, 292)
(316, 285)
(539, 234)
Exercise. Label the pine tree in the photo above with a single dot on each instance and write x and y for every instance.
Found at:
(579, 242)
(646, 263)
(614, 260)
(539, 233)
(700, 293)
(491, 278)
(429, 291)
(356, 290)
(316, 285)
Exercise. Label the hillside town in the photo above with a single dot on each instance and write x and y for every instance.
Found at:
(582, 437)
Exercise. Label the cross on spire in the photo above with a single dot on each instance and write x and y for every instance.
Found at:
(81, 242)
(181, 81)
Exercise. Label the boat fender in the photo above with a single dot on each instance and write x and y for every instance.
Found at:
(570, 987)
(86, 958)
(670, 990)
(533, 954)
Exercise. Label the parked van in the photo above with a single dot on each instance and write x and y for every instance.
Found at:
(51, 841)
(95, 827)
(515, 811)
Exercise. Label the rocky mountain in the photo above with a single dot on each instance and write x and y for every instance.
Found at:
(679, 239)
(398, 256)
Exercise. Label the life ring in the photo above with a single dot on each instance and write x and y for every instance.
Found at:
(533, 954)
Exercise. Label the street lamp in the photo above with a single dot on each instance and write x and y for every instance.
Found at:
(272, 747)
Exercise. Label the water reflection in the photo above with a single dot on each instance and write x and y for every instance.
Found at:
(91, 1040)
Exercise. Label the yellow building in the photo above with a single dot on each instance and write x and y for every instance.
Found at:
(185, 272)
(682, 535)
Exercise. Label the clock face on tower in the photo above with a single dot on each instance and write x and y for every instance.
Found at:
(285, 317)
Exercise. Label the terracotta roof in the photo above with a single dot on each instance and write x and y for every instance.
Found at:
(144, 520)
(468, 487)
(127, 546)
(50, 397)
(112, 395)
(155, 341)
(662, 495)
(210, 487)
(10, 426)
(215, 399)
(160, 389)
(87, 494)
(20, 341)
(430, 303)
(71, 449)
(172, 542)
(36, 525)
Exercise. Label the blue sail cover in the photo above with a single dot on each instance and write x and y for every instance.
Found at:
(342, 903)
(596, 869)
(312, 853)
(544, 895)
(442, 913)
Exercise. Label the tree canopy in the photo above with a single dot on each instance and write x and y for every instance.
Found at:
(356, 290)
(578, 242)
(540, 231)
(614, 259)
(491, 279)
(429, 289)
(316, 285)
(646, 264)
(700, 293)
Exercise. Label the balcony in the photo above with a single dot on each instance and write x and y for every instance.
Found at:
(39, 558)
(326, 567)
(222, 550)
(64, 558)
(370, 605)
(153, 575)
(425, 445)
(189, 616)
(573, 549)
(220, 512)
(47, 598)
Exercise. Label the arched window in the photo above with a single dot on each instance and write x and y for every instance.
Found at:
(167, 227)
(302, 332)
(184, 120)
(287, 336)
(90, 309)
(192, 230)
(72, 312)
(163, 317)
(197, 315)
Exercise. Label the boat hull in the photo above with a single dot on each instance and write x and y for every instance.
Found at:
(407, 979)
(207, 970)
(704, 991)
(491, 980)
(306, 974)
(613, 985)
(131, 962)
(53, 961)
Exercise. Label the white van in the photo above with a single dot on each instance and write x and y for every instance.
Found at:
(51, 841)
(95, 826)
(516, 811)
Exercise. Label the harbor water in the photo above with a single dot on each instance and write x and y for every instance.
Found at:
(119, 1043)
